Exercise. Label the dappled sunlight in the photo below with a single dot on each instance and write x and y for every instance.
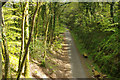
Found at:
(66, 40)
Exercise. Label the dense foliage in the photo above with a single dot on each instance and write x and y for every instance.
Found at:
(31, 30)
(95, 26)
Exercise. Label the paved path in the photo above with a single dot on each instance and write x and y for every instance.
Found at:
(76, 64)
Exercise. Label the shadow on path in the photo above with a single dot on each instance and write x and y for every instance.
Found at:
(79, 69)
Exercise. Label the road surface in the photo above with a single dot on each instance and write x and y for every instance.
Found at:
(78, 67)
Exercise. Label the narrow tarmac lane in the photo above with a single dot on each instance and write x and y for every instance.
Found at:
(76, 64)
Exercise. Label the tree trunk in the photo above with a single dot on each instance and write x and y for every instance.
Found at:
(28, 43)
(6, 54)
(27, 69)
(0, 41)
(54, 20)
(50, 26)
(46, 35)
(7, 58)
(22, 35)
(45, 43)
(37, 24)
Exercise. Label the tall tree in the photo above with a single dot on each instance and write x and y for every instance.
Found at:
(37, 24)
(7, 75)
(22, 35)
(27, 69)
(5, 51)
(0, 40)
(29, 40)
(46, 37)
(54, 20)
